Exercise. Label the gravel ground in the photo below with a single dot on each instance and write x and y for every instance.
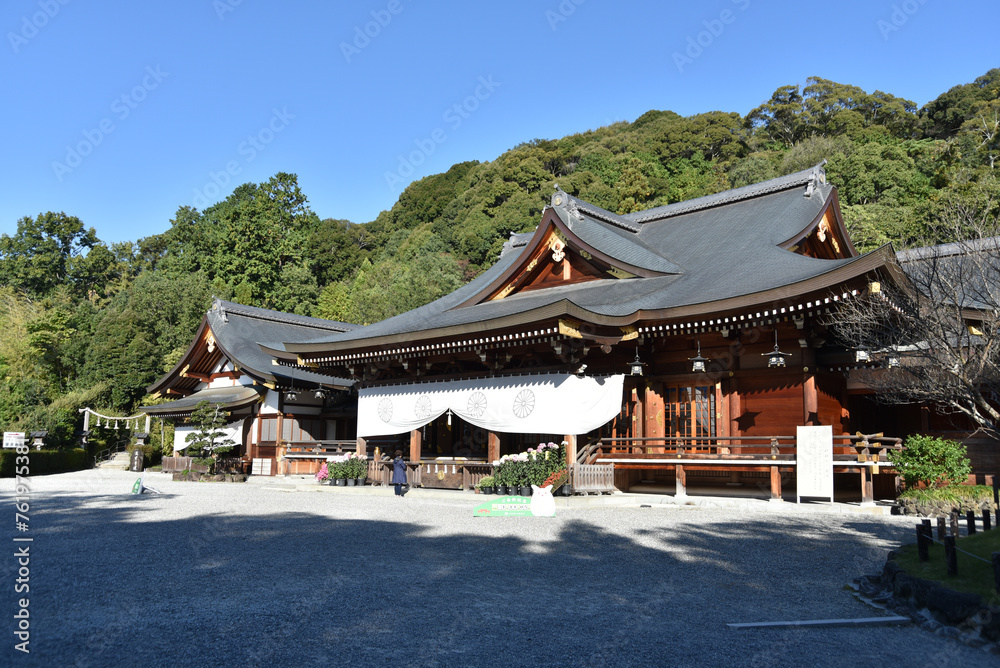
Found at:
(254, 575)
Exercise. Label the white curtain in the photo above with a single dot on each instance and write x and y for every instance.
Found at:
(542, 404)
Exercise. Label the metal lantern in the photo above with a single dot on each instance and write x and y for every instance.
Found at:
(776, 358)
(636, 365)
(862, 355)
(698, 362)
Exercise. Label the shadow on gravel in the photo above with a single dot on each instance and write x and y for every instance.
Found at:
(109, 588)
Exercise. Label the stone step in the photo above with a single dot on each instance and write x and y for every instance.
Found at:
(120, 460)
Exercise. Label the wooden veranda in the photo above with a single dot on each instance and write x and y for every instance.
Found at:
(864, 455)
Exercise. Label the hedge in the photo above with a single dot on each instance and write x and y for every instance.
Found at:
(41, 462)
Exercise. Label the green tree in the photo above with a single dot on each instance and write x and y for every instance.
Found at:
(935, 462)
(38, 257)
(784, 118)
(209, 437)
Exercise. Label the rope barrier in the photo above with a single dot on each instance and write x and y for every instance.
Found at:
(958, 549)
(112, 417)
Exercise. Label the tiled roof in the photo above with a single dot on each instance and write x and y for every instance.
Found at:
(240, 330)
(230, 398)
(714, 248)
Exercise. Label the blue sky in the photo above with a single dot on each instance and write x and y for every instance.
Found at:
(119, 112)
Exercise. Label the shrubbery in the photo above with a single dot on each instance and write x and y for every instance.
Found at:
(41, 462)
(936, 462)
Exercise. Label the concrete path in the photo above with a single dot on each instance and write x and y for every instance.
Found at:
(264, 575)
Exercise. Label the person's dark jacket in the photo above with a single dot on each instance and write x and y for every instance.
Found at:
(398, 471)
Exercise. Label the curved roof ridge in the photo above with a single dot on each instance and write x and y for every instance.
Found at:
(812, 177)
(226, 308)
(950, 249)
(574, 206)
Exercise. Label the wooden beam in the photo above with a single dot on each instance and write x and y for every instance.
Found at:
(681, 481)
(415, 445)
(775, 484)
(810, 401)
(570, 449)
(492, 446)
(362, 447)
(277, 439)
(867, 489)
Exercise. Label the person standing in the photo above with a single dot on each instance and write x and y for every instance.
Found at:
(399, 472)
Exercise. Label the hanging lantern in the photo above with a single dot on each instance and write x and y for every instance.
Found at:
(636, 366)
(776, 358)
(698, 362)
(862, 355)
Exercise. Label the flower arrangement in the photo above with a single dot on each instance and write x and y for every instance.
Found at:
(556, 479)
(335, 466)
(532, 467)
(347, 465)
(357, 466)
(323, 473)
(486, 481)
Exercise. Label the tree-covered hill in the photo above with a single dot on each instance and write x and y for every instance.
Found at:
(89, 323)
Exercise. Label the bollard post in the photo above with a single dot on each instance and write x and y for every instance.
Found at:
(987, 525)
(922, 541)
(942, 529)
(996, 488)
(954, 523)
(996, 569)
(950, 555)
(970, 520)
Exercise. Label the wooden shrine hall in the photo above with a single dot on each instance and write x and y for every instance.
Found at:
(278, 415)
(684, 345)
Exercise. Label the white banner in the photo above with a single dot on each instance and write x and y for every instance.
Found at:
(543, 404)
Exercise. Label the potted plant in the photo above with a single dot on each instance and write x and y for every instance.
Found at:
(502, 475)
(337, 470)
(323, 474)
(485, 485)
(522, 473)
(359, 468)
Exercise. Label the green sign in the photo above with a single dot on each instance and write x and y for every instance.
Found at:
(137, 487)
(504, 506)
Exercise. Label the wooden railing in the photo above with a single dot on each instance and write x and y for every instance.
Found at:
(865, 454)
(858, 448)
(380, 472)
(473, 473)
(587, 478)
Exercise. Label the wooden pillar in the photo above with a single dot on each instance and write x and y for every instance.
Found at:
(775, 484)
(570, 449)
(867, 488)
(277, 442)
(638, 417)
(810, 401)
(681, 481)
(415, 445)
(362, 447)
(735, 410)
(492, 447)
